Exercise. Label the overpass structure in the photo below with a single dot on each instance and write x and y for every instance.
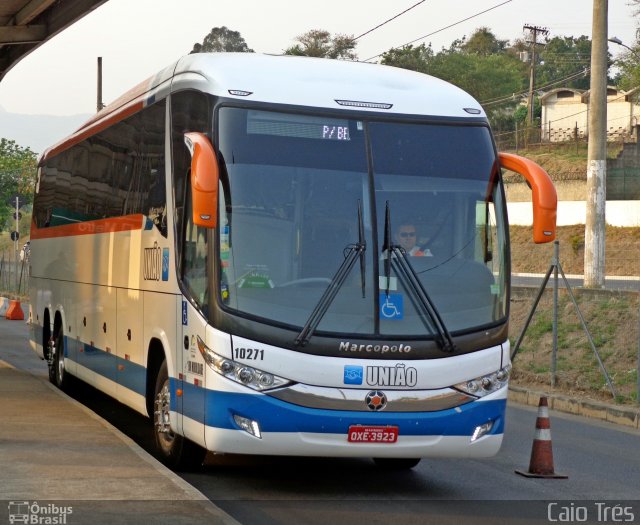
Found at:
(26, 24)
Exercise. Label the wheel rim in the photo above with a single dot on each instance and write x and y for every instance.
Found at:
(51, 349)
(59, 359)
(162, 418)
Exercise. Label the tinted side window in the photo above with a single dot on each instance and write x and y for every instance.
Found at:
(119, 171)
(190, 111)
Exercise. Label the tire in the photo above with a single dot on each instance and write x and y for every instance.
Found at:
(55, 353)
(173, 450)
(396, 463)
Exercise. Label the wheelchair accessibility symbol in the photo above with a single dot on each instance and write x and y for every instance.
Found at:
(391, 306)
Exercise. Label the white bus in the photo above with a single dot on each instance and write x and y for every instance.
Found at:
(219, 249)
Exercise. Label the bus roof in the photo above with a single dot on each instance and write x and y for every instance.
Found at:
(319, 82)
(291, 80)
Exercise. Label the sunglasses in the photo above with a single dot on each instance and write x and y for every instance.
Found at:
(407, 234)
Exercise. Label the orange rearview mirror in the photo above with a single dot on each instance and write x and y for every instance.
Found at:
(204, 179)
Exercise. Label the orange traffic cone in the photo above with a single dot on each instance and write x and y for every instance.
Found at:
(541, 464)
(14, 312)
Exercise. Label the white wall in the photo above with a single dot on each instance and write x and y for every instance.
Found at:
(618, 213)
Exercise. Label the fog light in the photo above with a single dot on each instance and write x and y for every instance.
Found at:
(481, 430)
(248, 425)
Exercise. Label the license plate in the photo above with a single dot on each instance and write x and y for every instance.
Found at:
(372, 434)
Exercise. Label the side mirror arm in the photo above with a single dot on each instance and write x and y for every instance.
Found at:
(544, 198)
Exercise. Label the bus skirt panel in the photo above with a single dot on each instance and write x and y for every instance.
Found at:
(288, 429)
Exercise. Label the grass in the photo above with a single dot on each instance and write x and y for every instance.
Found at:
(613, 322)
(622, 246)
(561, 159)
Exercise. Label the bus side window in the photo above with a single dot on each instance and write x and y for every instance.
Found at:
(190, 111)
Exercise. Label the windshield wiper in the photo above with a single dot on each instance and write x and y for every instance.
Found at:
(386, 247)
(352, 253)
(397, 256)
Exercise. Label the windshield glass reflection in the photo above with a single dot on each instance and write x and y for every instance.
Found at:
(290, 196)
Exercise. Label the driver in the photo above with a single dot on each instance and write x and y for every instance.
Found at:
(406, 238)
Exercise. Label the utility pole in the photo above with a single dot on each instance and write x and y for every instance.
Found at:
(16, 245)
(99, 103)
(535, 30)
(594, 234)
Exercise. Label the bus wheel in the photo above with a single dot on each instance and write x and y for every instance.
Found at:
(396, 463)
(57, 373)
(175, 451)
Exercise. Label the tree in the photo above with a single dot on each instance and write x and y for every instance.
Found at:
(319, 43)
(629, 64)
(18, 168)
(222, 39)
(484, 43)
(483, 66)
(562, 57)
(521, 114)
(484, 77)
(409, 57)
(629, 70)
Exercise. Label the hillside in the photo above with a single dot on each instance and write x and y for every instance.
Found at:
(622, 256)
(560, 160)
(612, 319)
(38, 132)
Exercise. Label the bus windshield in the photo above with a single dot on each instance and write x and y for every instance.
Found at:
(298, 192)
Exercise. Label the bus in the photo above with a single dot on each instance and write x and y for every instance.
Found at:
(218, 249)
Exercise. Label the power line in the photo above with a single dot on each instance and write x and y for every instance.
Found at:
(389, 20)
(507, 98)
(447, 27)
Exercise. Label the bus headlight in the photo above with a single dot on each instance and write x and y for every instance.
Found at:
(482, 386)
(240, 372)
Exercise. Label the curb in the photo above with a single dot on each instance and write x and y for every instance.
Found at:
(620, 415)
(580, 276)
(193, 494)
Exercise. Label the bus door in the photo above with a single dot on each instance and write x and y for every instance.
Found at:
(195, 274)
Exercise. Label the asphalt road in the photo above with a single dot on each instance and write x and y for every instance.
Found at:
(601, 460)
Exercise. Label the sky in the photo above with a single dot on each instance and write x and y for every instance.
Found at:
(137, 38)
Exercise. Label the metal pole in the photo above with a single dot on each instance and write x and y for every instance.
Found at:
(545, 280)
(586, 331)
(638, 370)
(15, 244)
(554, 350)
(594, 242)
(99, 104)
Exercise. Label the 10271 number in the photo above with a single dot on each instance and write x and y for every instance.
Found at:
(255, 354)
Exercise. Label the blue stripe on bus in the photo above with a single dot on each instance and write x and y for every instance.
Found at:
(275, 415)
(133, 376)
(216, 409)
